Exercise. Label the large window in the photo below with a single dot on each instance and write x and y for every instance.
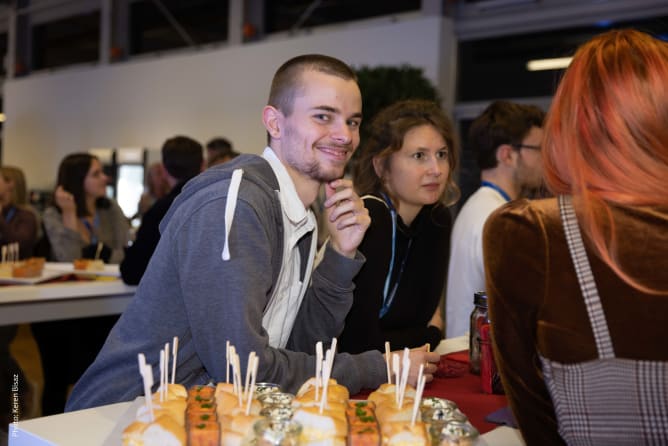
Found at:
(179, 24)
(497, 68)
(75, 39)
(284, 15)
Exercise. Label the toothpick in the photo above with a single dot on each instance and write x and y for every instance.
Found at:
(253, 366)
(327, 370)
(175, 348)
(147, 375)
(249, 367)
(387, 362)
(405, 368)
(98, 250)
(162, 376)
(235, 381)
(318, 367)
(418, 394)
(396, 371)
(166, 379)
(330, 357)
(237, 378)
(227, 362)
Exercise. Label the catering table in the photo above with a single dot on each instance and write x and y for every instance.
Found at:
(100, 425)
(63, 299)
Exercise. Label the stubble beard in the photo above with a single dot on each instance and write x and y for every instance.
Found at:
(315, 169)
(317, 172)
(526, 177)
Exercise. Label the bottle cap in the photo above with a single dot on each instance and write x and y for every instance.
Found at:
(480, 299)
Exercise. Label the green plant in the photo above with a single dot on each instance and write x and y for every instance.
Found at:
(384, 85)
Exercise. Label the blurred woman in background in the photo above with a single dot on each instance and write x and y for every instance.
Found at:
(83, 216)
(18, 222)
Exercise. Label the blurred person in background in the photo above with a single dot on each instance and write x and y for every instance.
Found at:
(580, 340)
(218, 151)
(506, 139)
(82, 223)
(20, 190)
(19, 222)
(82, 215)
(182, 158)
(156, 187)
(405, 176)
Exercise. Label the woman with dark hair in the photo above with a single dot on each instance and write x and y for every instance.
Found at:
(580, 341)
(405, 170)
(83, 216)
(82, 223)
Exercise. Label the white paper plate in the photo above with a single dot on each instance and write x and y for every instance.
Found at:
(68, 268)
(47, 274)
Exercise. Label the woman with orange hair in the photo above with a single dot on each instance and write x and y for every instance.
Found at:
(580, 342)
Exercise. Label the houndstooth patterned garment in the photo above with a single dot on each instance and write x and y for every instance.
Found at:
(608, 401)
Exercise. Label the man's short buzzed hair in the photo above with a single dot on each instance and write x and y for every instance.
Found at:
(288, 77)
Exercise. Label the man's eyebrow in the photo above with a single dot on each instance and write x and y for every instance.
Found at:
(330, 109)
(326, 108)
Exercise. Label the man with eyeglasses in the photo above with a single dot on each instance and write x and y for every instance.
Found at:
(506, 140)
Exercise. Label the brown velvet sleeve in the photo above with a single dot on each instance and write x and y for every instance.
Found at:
(515, 249)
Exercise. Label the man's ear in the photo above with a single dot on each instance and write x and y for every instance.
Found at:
(271, 118)
(505, 154)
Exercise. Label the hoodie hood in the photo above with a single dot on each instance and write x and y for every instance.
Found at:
(256, 169)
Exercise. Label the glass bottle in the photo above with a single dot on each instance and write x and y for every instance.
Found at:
(478, 318)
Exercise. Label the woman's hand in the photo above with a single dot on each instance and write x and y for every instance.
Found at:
(65, 201)
(417, 356)
(68, 209)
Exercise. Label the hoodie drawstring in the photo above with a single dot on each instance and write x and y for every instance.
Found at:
(230, 206)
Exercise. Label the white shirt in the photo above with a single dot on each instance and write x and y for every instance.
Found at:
(466, 271)
(280, 314)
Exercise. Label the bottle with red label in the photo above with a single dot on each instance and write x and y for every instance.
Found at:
(478, 318)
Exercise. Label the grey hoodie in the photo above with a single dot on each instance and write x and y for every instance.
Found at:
(190, 292)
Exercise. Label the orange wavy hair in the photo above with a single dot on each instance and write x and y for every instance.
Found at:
(606, 135)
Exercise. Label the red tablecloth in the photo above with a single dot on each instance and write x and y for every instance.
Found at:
(466, 391)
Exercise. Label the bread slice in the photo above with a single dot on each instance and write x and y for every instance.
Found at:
(164, 431)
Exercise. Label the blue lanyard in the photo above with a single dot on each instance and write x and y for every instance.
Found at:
(92, 230)
(388, 295)
(10, 214)
(496, 188)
